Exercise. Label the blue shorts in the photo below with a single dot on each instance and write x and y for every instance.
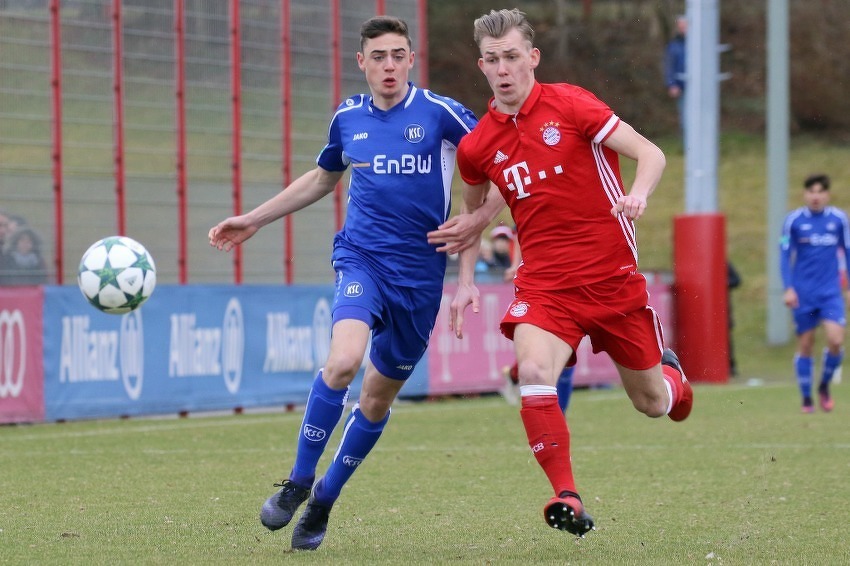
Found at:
(401, 318)
(810, 313)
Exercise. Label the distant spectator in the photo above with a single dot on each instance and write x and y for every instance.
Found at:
(502, 239)
(4, 258)
(674, 69)
(25, 264)
(733, 282)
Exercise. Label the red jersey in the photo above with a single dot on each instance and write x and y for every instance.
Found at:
(560, 183)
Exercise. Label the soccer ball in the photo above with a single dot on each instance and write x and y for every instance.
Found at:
(116, 275)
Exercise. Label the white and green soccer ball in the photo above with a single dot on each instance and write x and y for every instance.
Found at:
(116, 275)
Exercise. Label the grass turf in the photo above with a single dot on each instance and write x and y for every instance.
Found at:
(746, 480)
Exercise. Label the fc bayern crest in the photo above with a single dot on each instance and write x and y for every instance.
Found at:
(519, 308)
(551, 133)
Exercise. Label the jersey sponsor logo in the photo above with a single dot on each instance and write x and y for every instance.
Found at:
(351, 462)
(314, 433)
(519, 308)
(414, 133)
(823, 240)
(500, 157)
(551, 133)
(518, 177)
(407, 165)
(353, 289)
(360, 136)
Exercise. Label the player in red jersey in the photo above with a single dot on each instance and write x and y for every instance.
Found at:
(552, 151)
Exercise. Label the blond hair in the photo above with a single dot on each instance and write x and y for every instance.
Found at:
(499, 22)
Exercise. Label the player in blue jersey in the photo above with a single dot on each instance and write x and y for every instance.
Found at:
(812, 238)
(400, 143)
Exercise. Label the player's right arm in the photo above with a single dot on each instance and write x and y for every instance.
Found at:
(304, 191)
(786, 250)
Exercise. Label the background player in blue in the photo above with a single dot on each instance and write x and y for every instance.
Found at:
(812, 238)
(400, 142)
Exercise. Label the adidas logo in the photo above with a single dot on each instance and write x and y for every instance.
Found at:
(499, 157)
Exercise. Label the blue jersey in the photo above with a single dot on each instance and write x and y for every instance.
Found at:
(809, 248)
(402, 163)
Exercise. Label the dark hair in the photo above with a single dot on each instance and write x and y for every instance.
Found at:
(815, 179)
(498, 23)
(380, 25)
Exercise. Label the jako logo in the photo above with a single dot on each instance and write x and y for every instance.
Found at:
(414, 133)
(351, 462)
(360, 136)
(353, 289)
(314, 434)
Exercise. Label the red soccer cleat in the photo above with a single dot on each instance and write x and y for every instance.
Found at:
(566, 513)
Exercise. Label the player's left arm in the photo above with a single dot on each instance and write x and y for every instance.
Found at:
(650, 165)
(464, 229)
(467, 293)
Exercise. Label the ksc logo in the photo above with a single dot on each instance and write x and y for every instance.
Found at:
(314, 434)
(13, 350)
(414, 133)
(351, 462)
(353, 289)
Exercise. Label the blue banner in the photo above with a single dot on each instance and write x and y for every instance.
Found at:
(189, 348)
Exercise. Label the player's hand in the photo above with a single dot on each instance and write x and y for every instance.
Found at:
(466, 295)
(231, 232)
(456, 234)
(790, 298)
(629, 206)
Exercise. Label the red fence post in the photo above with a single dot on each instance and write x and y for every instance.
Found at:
(56, 91)
(701, 296)
(180, 96)
(236, 90)
(422, 52)
(286, 145)
(336, 79)
(118, 101)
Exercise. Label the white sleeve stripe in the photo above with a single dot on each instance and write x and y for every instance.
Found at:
(606, 129)
(460, 121)
(613, 191)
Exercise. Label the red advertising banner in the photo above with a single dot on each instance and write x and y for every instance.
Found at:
(21, 360)
(475, 363)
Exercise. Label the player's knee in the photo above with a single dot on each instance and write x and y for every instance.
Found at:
(531, 373)
(649, 403)
(339, 371)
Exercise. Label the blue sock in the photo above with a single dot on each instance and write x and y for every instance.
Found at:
(565, 387)
(324, 408)
(358, 438)
(830, 364)
(803, 368)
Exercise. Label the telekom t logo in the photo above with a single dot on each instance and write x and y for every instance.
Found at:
(517, 179)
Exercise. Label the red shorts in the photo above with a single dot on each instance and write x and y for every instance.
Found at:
(614, 313)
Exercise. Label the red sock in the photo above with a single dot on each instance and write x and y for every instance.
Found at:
(549, 439)
(674, 378)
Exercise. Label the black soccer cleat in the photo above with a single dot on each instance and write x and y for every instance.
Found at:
(278, 509)
(566, 513)
(311, 527)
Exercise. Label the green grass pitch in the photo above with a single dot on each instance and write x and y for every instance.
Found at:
(746, 479)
